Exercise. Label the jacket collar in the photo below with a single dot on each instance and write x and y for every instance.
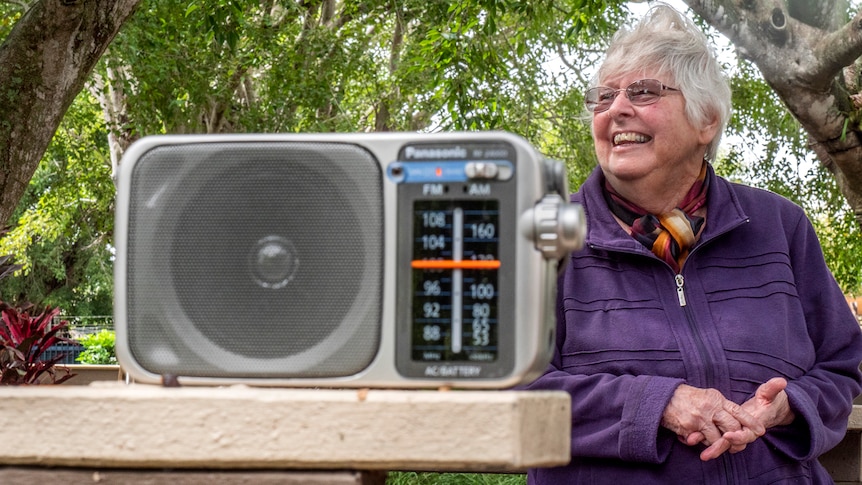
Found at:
(723, 213)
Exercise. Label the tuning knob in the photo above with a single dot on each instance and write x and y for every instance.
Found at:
(555, 226)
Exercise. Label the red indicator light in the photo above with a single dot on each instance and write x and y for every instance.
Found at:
(439, 172)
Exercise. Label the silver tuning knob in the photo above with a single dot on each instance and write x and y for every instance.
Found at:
(555, 226)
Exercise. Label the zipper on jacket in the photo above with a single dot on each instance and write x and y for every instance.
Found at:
(680, 281)
(695, 330)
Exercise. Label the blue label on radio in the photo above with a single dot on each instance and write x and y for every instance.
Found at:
(440, 171)
(423, 172)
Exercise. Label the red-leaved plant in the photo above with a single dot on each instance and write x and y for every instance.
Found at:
(24, 338)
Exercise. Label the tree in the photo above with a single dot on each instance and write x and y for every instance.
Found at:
(349, 65)
(47, 56)
(767, 147)
(266, 66)
(65, 221)
(808, 52)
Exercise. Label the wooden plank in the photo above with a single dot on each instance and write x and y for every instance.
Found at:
(71, 476)
(138, 426)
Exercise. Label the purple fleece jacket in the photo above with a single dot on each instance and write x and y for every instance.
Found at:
(759, 302)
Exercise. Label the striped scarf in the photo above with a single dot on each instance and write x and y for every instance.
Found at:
(669, 235)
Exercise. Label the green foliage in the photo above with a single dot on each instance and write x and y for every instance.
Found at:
(371, 66)
(24, 338)
(267, 66)
(65, 221)
(414, 478)
(769, 149)
(839, 233)
(239, 66)
(9, 14)
(98, 348)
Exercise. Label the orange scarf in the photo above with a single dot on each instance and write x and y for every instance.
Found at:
(669, 235)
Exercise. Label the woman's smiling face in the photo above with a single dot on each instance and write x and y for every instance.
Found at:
(655, 143)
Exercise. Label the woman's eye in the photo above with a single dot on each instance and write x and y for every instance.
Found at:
(608, 95)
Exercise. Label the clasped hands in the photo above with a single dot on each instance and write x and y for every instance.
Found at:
(705, 416)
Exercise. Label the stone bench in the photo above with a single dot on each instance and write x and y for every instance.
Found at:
(844, 462)
(111, 432)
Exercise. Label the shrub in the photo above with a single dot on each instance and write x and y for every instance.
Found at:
(98, 348)
(23, 340)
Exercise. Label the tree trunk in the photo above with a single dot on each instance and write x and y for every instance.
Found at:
(108, 90)
(46, 59)
(809, 58)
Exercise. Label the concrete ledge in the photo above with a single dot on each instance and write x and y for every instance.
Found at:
(844, 462)
(854, 422)
(89, 373)
(115, 426)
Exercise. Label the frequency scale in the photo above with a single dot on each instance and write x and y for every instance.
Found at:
(456, 262)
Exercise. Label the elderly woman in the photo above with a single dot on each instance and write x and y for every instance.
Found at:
(700, 334)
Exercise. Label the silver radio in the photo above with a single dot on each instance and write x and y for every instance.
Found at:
(339, 260)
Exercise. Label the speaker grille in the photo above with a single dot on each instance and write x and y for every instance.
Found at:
(255, 260)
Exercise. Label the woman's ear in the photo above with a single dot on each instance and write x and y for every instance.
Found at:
(709, 131)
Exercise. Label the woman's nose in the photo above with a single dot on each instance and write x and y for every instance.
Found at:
(621, 105)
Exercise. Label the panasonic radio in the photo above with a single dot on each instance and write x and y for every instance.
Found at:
(395, 260)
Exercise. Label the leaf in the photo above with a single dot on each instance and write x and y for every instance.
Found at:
(191, 8)
(26, 340)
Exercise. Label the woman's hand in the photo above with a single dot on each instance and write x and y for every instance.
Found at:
(769, 405)
(706, 416)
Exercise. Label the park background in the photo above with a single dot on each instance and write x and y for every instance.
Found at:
(268, 66)
(180, 66)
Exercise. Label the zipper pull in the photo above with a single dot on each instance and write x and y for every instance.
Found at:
(680, 281)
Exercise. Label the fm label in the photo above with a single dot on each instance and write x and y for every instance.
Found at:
(433, 189)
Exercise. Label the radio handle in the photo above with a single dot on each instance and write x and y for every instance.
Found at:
(556, 180)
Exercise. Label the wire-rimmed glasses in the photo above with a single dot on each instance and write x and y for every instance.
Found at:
(640, 93)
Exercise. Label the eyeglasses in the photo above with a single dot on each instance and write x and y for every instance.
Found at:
(640, 93)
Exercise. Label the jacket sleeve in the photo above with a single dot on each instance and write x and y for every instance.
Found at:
(612, 416)
(822, 397)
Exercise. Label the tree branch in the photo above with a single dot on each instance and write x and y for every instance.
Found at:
(838, 49)
(753, 26)
(723, 15)
(826, 15)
